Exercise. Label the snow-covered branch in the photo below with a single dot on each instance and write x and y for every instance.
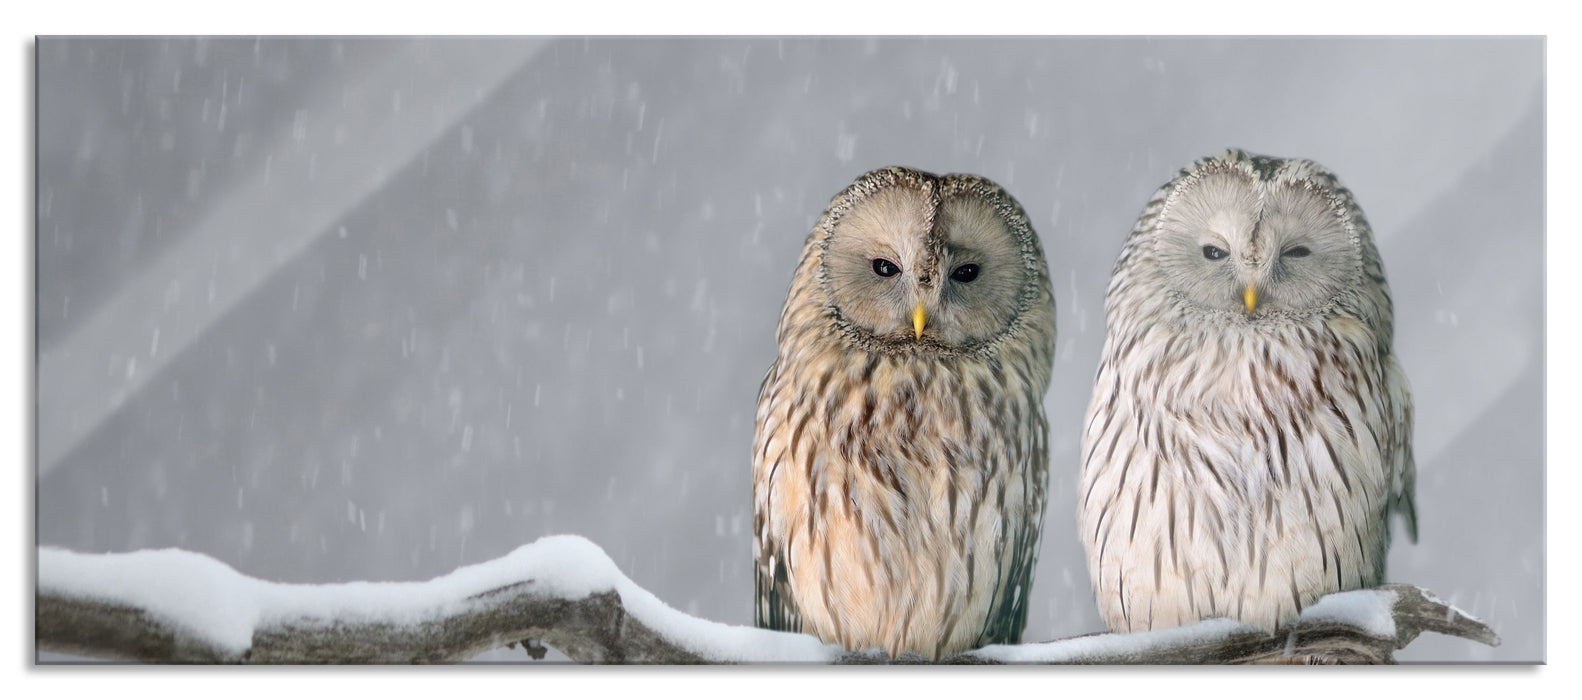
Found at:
(172, 606)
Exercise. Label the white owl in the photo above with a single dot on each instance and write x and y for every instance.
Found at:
(1249, 431)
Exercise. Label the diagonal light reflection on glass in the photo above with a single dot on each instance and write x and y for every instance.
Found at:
(306, 181)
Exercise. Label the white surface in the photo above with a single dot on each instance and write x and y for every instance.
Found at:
(1369, 611)
(1112, 645)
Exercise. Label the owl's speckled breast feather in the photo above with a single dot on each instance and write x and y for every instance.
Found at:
(874, 499)
(1234, 474)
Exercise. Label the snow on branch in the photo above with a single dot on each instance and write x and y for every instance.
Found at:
(172, 606)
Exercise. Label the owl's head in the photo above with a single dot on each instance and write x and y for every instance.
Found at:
(1262, 237)
(914, 261)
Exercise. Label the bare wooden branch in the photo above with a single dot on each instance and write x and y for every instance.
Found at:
(602, 626)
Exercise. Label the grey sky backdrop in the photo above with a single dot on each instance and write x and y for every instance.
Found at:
(334, 310)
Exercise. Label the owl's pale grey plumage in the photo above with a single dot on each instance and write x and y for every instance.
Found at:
(900, 456)
(1250, 430)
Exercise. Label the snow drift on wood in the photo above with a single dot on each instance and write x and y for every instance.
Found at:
(215, 603)
(172, 606)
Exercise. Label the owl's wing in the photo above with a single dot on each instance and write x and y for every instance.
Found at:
(1008, 611)
(774, 607)
(1403, 468)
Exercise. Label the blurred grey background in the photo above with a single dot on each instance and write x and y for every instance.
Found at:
(373, 309)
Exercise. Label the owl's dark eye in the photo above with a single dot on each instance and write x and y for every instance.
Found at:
(1300, 251)
(1213, 253)
(965, 273)
(885, 268)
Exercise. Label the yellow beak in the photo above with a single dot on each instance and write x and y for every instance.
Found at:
(918, 319)
(1251, 298)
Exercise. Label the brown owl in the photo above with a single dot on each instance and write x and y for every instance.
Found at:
(900, 456)
(1250, 431)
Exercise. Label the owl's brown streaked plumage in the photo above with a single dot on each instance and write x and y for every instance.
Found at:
(1250, 431)
(900, 456)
